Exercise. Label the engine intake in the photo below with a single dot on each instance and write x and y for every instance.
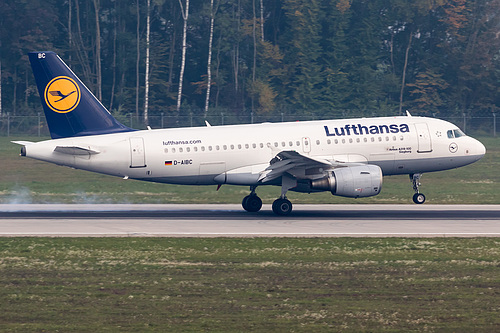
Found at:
(352, 182)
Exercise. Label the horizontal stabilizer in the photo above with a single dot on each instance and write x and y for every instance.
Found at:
(75, 150)
(23, 143)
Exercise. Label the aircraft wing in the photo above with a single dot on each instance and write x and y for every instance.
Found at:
(295, 164)
(301, 166)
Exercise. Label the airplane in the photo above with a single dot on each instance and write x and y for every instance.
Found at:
(346, 157)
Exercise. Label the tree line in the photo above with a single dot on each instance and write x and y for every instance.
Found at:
(265, 57)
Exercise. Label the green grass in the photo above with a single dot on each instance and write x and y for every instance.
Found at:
(242, 285)
(30, 181)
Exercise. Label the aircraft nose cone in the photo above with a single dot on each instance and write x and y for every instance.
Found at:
(480, 149)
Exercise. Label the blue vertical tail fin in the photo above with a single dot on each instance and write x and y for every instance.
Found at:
(70, 108)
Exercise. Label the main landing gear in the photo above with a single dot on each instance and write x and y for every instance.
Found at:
(281, 206)
(252, 203)
(418, 197)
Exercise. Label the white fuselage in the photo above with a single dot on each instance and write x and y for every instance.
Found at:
(238, 154)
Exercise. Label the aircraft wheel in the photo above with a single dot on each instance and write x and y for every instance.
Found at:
(244, 202)
(251, 203)
(418, 198)
(282, 207)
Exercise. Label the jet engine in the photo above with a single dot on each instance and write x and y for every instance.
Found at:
(352, 182)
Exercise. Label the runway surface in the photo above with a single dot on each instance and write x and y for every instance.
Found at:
(233, 221)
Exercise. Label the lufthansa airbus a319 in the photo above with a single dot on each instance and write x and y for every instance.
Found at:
(345, 157)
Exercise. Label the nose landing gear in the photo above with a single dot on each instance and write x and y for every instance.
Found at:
(418, 197)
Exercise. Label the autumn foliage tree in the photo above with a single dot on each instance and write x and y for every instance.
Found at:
(302, 58)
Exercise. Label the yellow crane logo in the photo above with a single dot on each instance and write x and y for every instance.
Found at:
(62, 94)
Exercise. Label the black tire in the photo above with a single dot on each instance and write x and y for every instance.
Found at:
(418, 198)
(253, 204)
(282, 207)
(244, 203)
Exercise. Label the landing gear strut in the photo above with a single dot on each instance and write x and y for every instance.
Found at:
(252, 203)
(418, 197)
(283, 206)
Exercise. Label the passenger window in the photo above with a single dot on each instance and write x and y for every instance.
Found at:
(188, 149)
(239, 146)
(254, 145)
(317, 142)
(247, 146)
(298, 143)
(336, 141)
(210, 148)
(166, 150)
(173, 150)
(329, 141)
(202, 148)
(232, 147)
(195, 148)
(180, 150)
(224, 147)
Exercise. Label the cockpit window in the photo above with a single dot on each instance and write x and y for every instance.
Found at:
(458, 133)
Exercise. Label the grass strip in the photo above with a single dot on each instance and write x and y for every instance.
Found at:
(241, 285)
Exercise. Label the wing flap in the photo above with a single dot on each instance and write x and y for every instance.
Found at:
(286, 161)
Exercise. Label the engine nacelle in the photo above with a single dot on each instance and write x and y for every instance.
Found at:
(352, 182)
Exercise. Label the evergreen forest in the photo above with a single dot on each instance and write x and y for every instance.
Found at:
(303, 58)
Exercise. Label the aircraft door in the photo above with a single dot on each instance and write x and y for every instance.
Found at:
(423, 138)
(137, 153)
(306, 145)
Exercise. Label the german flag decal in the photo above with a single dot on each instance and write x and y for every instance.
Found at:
(168, 162)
